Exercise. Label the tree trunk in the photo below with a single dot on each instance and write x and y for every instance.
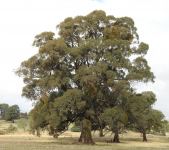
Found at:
(86, 136)
(38, 132)
(101, 132)
(101, 127)
(55, 135)
(144, 136)
(53, 132)
(116, 136)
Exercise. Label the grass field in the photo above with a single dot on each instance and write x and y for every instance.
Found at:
(68, 141)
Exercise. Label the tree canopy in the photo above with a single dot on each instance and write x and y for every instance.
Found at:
(88, 68)
(143, 116)
(3, 110)
(9, 113)
(12, 113)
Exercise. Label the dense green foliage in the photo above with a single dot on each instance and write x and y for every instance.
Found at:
(9, 113)
(85, 74)
(13, 113)
(3, 110)
(141, 114)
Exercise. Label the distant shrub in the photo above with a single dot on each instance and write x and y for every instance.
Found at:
(2, 132)
(75, 128)
(11, 129)
(161, 133)
(22, 123)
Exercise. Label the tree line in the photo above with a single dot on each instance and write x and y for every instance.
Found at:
(86, 76)
(10, 113)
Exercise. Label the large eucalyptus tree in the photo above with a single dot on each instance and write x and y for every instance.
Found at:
(79, 72)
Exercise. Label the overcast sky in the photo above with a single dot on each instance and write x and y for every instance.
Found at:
(21, 20)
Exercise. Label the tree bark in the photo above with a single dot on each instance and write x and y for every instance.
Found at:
(100, 128)
(55, 135)
(144, 136)
(86, 136)
(101, 132)
(38, 132)
(116, 136)
(53, 132)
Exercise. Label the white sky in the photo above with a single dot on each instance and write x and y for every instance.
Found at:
(21, 20)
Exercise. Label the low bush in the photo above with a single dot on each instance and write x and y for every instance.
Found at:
(2, 132)
(11, 129)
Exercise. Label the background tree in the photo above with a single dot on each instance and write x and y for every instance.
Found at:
(24, 115)
(38, 116)
(116, 119)
(142, 115)
(83, 67)
(165, 127)
(3, 110)
(12, 113)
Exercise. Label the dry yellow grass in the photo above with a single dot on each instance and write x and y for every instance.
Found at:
(68, 141)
